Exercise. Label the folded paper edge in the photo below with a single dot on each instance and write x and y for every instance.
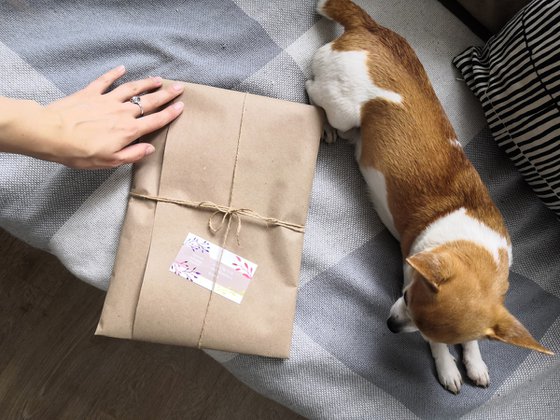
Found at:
(120, 332)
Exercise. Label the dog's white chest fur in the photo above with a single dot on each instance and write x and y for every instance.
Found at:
(342, 85)
(459, 226)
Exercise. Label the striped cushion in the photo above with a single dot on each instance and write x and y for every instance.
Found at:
(516, 77)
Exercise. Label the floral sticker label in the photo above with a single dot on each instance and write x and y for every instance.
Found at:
(198, 260)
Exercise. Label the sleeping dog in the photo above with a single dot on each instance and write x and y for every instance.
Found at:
(456, 249)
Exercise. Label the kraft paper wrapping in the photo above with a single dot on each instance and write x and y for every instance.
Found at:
(234, 150)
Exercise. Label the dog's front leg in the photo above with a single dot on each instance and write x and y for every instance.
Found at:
(477, 370)
(448, 373)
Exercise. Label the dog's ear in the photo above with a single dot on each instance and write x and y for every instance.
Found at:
(434, 267)
(509, 330)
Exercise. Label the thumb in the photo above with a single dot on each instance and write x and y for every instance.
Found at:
(131, 154)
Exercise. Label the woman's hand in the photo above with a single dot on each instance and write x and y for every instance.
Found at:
(92, 128)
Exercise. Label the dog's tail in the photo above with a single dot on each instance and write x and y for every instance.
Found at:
(347, 13)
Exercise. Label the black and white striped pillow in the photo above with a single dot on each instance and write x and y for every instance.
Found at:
(516, 77)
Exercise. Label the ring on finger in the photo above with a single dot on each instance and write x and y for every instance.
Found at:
(136, 101)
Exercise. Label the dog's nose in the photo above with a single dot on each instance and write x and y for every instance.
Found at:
(393, 325)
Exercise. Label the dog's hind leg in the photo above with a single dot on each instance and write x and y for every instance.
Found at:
(329, 134)
(352, 135)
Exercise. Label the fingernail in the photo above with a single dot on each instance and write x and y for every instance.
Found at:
(121, 68)
(178, 105)
(177, 87)
(149, 150)
(157, 80)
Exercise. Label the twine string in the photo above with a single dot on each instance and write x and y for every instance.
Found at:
(226, 215)
(225, 211)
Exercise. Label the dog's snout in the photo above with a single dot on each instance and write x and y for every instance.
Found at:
(393, 325)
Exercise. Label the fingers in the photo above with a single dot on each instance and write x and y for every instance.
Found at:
(159, 119)
(119, 118)
(128, 90)
(102, 83)
(156, 100)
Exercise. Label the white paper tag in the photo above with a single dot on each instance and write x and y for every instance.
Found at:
(197, 261)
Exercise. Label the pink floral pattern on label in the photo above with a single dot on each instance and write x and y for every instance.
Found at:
(198, 260)
(243, 267)
(182, 268)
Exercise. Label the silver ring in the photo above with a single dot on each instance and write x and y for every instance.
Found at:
(136, 101)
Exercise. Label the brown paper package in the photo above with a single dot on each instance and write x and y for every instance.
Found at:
(236, 150)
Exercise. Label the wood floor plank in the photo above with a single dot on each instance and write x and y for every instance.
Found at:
(53, 367)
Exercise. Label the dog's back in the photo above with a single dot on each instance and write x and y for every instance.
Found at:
(405, 133)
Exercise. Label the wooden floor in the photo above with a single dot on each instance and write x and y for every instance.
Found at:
(53, 367)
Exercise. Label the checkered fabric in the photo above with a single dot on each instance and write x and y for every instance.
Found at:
(344, 361)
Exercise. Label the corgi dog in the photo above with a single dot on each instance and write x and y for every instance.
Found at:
(456, 249)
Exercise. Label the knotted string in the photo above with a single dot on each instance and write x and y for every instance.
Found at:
(225, 211)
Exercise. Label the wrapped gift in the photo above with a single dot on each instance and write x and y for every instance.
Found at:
(210, 250)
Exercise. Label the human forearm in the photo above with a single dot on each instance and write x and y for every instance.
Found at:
(26, 127)
(91, 128)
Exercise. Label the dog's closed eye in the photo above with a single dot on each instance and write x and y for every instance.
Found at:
(405, 297)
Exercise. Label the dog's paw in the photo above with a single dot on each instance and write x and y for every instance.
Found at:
(329, 134)
(446, 368)
(477, 371)
(449, 375)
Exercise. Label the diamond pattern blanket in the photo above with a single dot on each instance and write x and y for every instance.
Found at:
(344, 362)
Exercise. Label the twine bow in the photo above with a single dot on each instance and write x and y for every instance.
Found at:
(226, 212)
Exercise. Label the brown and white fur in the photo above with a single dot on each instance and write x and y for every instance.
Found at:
(455, 246)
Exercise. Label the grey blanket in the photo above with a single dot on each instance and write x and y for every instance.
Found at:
(344, 361)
